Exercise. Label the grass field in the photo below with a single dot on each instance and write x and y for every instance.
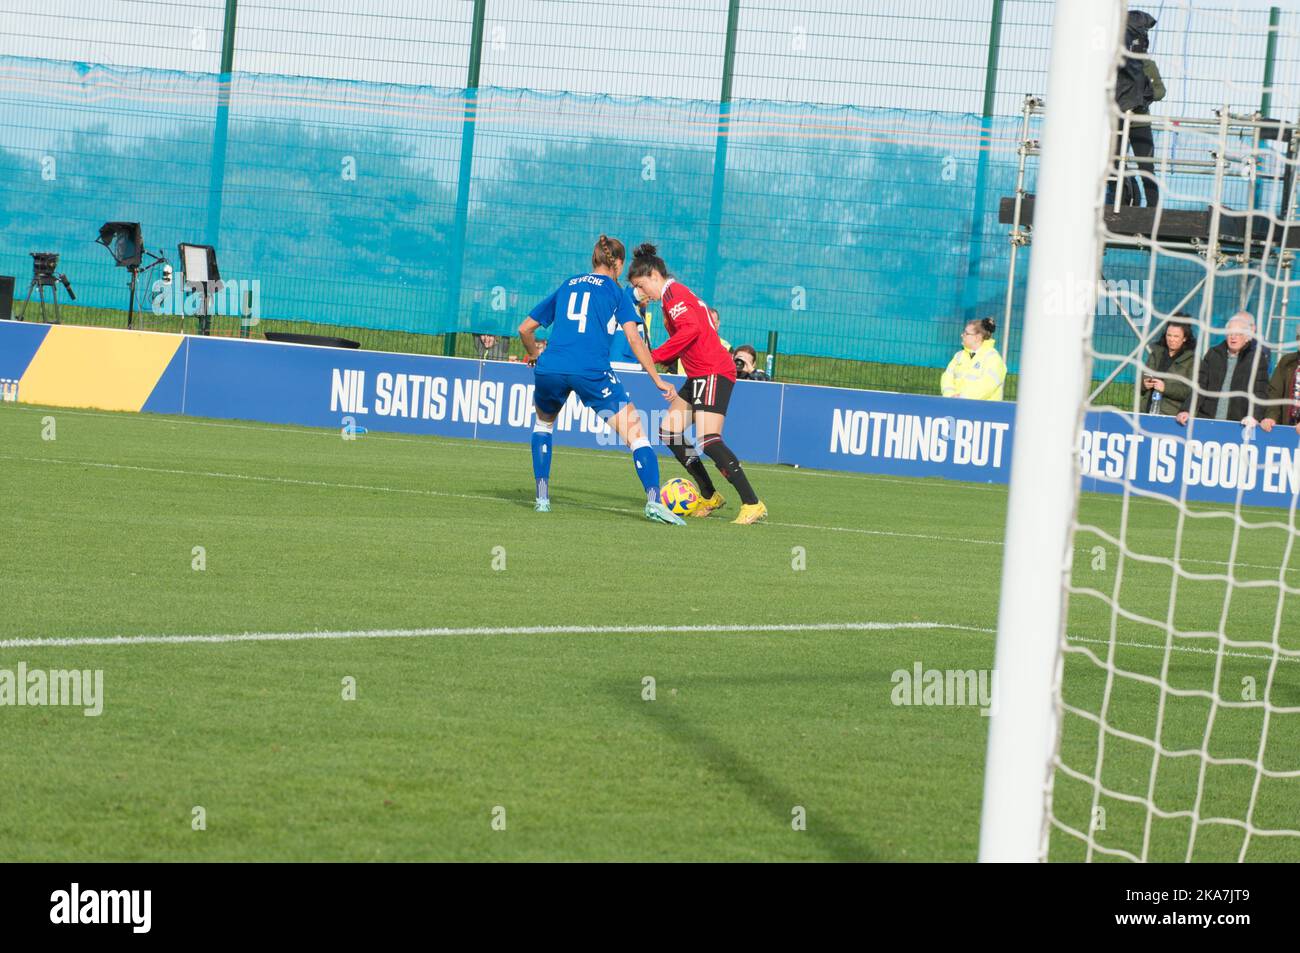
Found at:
(304, 532)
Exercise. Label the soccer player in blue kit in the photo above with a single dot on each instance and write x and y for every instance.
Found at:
(583, 314)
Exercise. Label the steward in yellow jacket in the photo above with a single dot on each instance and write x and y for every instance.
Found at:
(976, 372)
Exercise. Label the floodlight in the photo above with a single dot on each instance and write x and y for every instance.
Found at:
(123, 241)
(199, 270)
(199, 265)
(126, 244)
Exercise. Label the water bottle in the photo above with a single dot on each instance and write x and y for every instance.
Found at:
(1155, 400)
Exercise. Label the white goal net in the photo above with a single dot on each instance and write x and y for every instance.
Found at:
(1174, 722)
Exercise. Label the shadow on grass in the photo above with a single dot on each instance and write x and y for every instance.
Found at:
(612, 504)
(763, 790)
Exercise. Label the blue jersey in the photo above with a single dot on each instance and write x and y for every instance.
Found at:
(620, 350)
(583, 314)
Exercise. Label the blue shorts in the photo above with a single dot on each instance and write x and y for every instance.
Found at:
(601, 391)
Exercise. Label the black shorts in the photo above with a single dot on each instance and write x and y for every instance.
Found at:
(711, 394)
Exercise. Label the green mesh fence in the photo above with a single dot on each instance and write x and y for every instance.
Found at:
(831, 186)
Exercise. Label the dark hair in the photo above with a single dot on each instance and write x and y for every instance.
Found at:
(1189, 339)
(608, 252)
(986, 325)
(749, 348)
(645, 260)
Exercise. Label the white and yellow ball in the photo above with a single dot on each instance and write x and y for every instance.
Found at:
(680, 496)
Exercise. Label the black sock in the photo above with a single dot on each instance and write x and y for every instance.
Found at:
(729, 467)
(685, 453)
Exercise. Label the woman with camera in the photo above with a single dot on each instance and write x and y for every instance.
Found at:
(746, 359)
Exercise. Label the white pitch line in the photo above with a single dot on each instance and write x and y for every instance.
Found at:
(886, 532)
(376, 488)
(252, 477)
(342, 635)
(932, 483)
(517, 448)
(482, 630)
(1191, 649)
(291, 481)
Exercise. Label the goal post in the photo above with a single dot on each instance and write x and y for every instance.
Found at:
(1060, 300)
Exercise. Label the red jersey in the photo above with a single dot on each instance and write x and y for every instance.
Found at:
(692, 335)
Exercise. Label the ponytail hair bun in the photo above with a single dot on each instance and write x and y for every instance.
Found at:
(646, 260)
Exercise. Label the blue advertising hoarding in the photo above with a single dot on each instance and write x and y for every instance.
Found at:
(823, 427)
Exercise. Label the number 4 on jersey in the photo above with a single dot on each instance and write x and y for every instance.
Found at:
(580, 315)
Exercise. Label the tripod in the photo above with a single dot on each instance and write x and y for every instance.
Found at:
(43, 280)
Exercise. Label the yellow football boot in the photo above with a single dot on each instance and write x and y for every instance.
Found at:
(715, 502)
(751, 513)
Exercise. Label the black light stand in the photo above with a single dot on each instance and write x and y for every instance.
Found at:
(126, 244)
(136, 272)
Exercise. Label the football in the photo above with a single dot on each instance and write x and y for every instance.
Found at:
(680, 496)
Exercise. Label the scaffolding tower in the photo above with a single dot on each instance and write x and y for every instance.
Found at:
(1226, 240)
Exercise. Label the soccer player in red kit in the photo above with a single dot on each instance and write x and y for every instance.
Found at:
(710, 376)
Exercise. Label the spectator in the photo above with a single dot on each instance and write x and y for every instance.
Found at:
(1284, 387)
(976, 372)
(746, 359)
(1168, 386)
(493, 348)
(1233, 383)
(717, 324)
(1137, 85)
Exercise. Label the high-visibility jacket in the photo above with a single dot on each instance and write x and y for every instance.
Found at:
(977, 375)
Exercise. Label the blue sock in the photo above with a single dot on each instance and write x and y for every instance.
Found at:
(542, 435)
(647, 468)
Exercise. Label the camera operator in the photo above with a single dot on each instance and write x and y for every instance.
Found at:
(746, 359)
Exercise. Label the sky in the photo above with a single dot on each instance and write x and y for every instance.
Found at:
(909, 54)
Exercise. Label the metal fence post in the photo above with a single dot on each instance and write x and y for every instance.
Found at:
(710, 282)
(971, 286)
(451, 318)
(1270, 59)
(217, 172)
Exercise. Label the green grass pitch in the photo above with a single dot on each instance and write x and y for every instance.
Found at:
(303, 531)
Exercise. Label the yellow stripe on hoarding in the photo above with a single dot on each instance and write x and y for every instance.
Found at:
(104, 368)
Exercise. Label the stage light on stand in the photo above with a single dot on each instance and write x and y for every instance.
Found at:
(199, 267)
(125, 243)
